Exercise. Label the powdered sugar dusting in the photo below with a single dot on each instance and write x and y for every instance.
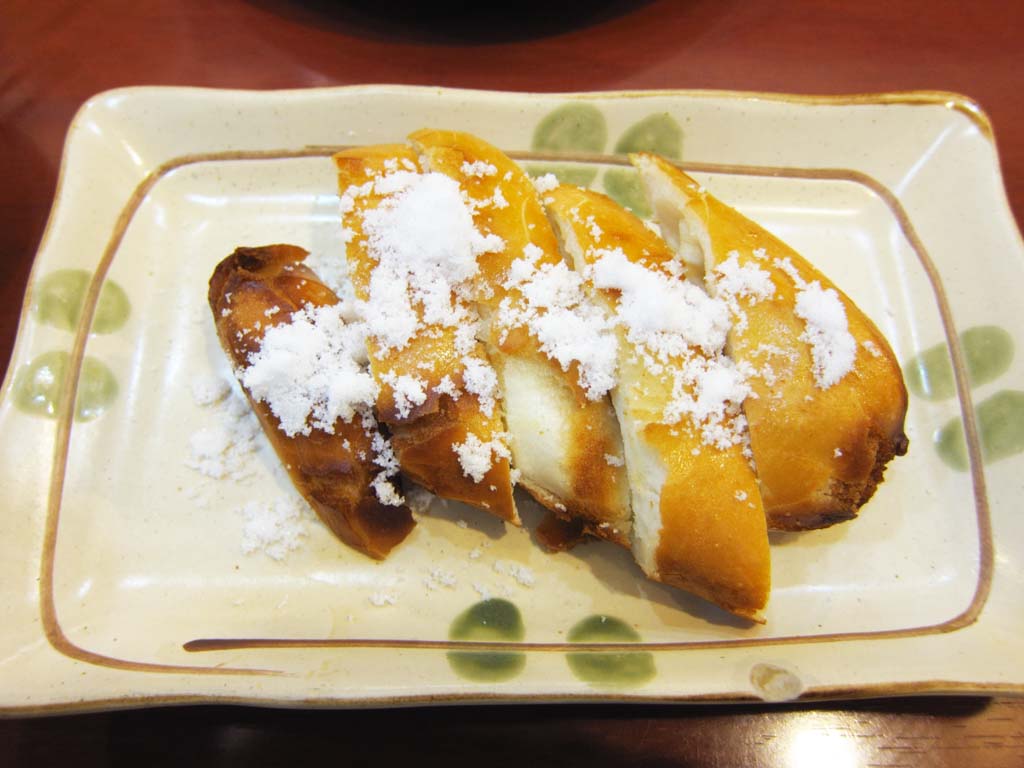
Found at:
(545, 183)
(408, 391)
(274, 528)
(480, 379)
(730, 281)
(679, 332)
(423, 242)
(549, 299)
(224, 448)
(476, 457)
(307, 371)
(833, 348)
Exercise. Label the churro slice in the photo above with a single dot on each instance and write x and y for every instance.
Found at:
(297, 363)
(552, 349)
(829, 401)
(412, 250)
(698, 522)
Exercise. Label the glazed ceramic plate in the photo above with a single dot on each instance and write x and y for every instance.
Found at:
(130, 576)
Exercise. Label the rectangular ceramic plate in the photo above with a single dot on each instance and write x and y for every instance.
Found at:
(123, 576)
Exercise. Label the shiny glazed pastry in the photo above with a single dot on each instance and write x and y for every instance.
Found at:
(563, 433)
(698, 523)
(829, 400)
(437, 390)
(266, 306)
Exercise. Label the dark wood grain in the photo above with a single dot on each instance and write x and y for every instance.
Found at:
(952, 732)
(56, 53)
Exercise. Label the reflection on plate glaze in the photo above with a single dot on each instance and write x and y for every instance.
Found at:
(612, 668)
(38, 385)
(58, 300)
(493, 620)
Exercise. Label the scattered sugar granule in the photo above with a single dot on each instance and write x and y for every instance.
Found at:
(553, 305)
(740, 495)
(408, 392)
(871, 347)
(438, 578)
(308, 371)
(498, 199)
(483, 590)
(668, 321)
(663, 314)
(462, 524)
(426, 245)
(474, 553)
(475, 455)
(837, 453)
(447, 387)
(545, 183)
(224, 449)
(380, 599)
(479, 379)
(522, 574)
(274, 528)
(833, 348)
(613, 461)
(731, 281)
(208, 390)
(479, 168)
(384, 457)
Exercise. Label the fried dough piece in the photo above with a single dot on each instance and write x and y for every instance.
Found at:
(424, 385)
(565, 443)
(698, 522)
(821, 434)
(252, 290)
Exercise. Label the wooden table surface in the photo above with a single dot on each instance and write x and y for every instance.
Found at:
(56, 53)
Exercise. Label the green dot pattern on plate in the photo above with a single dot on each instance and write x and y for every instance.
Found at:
(988, 352)
(1000, 421)
(659, 133)
(577, 175)
(58, 300)
(616, 668)
(574, 126)
(623, 186)
(38, 385)
(489, 620)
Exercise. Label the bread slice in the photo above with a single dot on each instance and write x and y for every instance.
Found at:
(563, 433)
(829, 401)
(338, 467)
(698, 522)
(436, 387)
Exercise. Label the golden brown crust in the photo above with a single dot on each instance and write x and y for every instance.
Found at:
(325, 467)
(424, 436)
(713, 538)
(593, 491)
(820, 452)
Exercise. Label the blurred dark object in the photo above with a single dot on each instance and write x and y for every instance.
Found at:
(450, 22)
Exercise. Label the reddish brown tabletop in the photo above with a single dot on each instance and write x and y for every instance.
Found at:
(56, 53)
